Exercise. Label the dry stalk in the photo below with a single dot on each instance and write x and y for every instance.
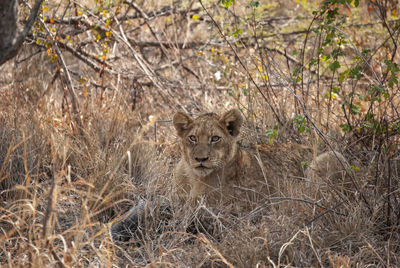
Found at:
(376, 254)
(48, 220)
(202, 239)
(130, 164)
(307, 233)
(11, 149)
(285, 245)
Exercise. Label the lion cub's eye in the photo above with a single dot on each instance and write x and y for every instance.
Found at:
(215, 139)
(192, 138)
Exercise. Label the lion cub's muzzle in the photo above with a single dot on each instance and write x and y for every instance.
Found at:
(201, 156)
(201, 162)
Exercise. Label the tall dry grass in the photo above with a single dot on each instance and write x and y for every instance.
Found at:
(63, 183)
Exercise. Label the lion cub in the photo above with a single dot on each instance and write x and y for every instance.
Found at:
(216, 168)
(213, 165)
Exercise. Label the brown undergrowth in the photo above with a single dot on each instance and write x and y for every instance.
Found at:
(66, 174)
(61, 191)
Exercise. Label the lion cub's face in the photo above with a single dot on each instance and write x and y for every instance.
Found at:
(208, 141)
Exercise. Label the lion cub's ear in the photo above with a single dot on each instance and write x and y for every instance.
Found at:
(181, 122)
(233, 121)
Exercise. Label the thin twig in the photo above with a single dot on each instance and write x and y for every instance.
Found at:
(71, 90)
(241, 63)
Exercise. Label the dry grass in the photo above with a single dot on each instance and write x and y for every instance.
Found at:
(62, 186)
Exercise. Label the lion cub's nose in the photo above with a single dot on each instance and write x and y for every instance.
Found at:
(201, 159)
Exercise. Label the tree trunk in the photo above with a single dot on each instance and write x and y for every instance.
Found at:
(10, 38)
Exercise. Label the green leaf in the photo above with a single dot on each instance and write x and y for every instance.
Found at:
(316, 30)
(336, 53)
(296, 71)
(345, 127)
(334, 65)
(326, 58)
(355, 72)
(393, 80)
(342, 76)
(335, 90)
(355, 109)
(227, 3)
(365, 52)
(253, 4)
(237, 32)
(271, 134)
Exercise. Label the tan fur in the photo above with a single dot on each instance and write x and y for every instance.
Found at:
(329, 165)
(329, 169)
(222, 172)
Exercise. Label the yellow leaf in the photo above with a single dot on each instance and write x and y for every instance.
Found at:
(265, 77)
(79, 12)
(330, 95)
(195, 17)
(108, 34)
(45, 8)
